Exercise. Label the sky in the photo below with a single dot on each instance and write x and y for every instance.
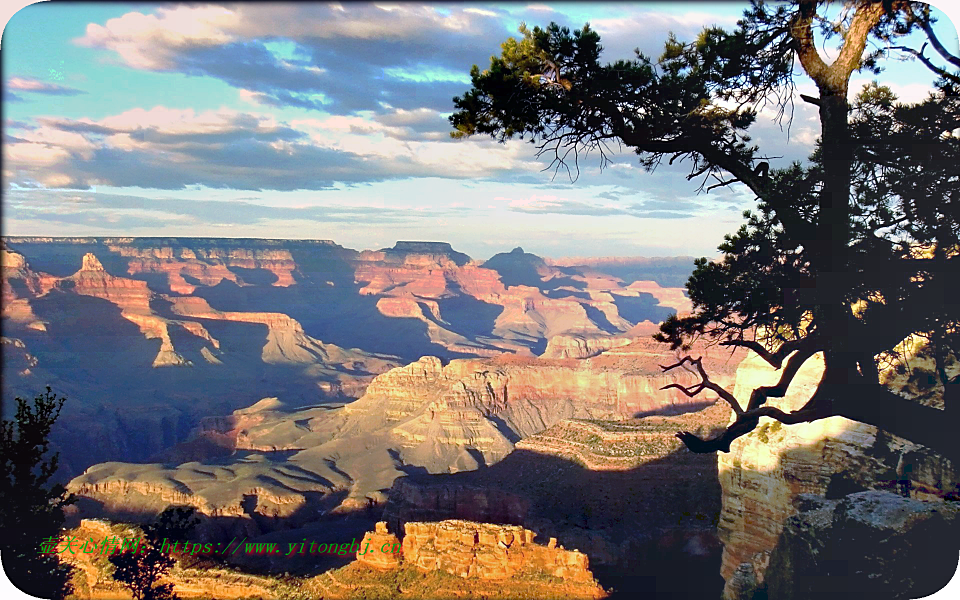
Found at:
(329, 121)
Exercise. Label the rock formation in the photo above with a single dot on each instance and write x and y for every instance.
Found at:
(869, 544)
(459, 305)
(468, 549)
(63, 321)
(380, 549)
(620, 445)
(624, 492)
(766, 470)
(425, 416)
(582, 346)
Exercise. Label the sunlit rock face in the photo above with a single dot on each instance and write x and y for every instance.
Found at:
(582, 346)
(472, 550)
(767, 469)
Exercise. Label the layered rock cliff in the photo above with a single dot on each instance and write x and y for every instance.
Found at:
(766, 470)
(582, 346)
(102, 339)
(425, 416)
(514, 302)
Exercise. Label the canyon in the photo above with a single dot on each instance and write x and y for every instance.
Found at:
(308, 321)
(295, 388)
(275, 464)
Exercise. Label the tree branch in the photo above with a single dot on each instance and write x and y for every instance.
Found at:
(683, 145)
(722, 184)
(774, 359)
(934, 40)
(807, 347)
(926, 61)
(857, 400)
(855, 40)
(802, 34)
(705, 383)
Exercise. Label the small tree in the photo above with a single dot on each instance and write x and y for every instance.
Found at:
(142, 568)
(31, 511)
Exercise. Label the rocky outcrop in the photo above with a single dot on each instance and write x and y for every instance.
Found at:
(581, 346)
(621, 445)
(869, 544)
(625, 492)
(379, 548)
(19, 284)
(505, 386)
(469, 549)
(92, 279)
(15, 356)
(766, 470)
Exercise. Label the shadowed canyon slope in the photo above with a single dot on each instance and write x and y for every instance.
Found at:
(426, 417)
(147, 336)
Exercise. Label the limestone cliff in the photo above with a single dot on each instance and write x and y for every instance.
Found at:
(766, 470)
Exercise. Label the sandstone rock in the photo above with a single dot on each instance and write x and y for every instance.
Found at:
(379, 548)
(475, 550)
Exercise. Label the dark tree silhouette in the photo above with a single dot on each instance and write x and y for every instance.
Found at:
(141, 568)
(846, 256)
(31, 511)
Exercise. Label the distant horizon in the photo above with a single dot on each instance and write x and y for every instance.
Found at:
(111, 237)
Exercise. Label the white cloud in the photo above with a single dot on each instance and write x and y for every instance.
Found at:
(150, 41)
(168, 148)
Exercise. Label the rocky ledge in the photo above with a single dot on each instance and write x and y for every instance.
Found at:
(472, 550)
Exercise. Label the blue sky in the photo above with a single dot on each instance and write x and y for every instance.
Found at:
(329, 121)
